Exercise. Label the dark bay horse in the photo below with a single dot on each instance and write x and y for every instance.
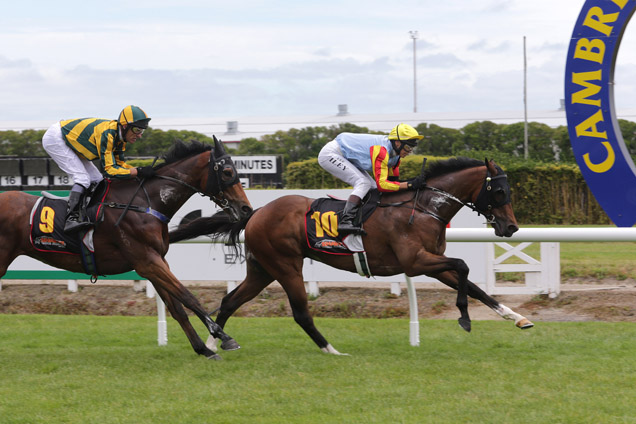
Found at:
(134, 233)
(405, 234)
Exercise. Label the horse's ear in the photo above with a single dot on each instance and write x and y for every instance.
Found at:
(219, 150)
(490, 165)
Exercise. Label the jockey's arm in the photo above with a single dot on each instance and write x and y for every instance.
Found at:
(112, 161)
(382, 172)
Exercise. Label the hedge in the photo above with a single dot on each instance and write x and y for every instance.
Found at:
(546, 194)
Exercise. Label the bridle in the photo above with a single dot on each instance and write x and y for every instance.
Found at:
(494, 187)
(486, 200)
(494, 193)
(216, 183)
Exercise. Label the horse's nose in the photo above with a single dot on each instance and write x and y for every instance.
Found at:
(512, 228)
(246, 210)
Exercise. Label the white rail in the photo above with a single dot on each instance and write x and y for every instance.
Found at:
(550, 234)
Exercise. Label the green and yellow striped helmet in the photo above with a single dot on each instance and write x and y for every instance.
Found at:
(133, 115)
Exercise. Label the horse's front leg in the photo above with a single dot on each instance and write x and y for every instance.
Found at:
(475, 292)
(180, 315)
(158, 272)
(431, 265)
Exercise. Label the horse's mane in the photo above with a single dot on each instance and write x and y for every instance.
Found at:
(181, 150)
(442, 167)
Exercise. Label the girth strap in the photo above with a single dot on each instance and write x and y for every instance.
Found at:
(161, 217)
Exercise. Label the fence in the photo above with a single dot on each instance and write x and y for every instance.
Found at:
(468, 239)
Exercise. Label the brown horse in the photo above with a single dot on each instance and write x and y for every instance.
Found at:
(134, 233)
(405, 234)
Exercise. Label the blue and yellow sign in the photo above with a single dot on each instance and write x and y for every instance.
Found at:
(596, 138)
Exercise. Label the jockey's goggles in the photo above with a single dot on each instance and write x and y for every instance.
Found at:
(409, 145)
(136, 130)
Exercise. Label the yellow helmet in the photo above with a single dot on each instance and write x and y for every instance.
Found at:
(405, 132)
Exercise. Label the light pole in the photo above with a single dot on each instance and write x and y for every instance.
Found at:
(525, 101)
(414, 37)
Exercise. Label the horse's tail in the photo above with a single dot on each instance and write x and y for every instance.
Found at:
(216, 226)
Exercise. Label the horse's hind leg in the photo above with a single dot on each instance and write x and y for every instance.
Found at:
(476, 293)
(295, 289)
(255, 281)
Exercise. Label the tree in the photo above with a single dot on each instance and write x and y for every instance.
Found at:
(563, 145)
(484, 135)
(628, 129)
(334, 130)
(22, 144)
(437, 141)
(542, 143)
(251, 146)
(157, 142)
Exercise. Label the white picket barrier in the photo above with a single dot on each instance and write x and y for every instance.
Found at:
(543, 275)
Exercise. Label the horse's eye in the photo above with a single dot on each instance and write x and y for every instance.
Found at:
(500, 196)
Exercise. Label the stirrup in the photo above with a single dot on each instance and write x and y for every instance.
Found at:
(351, 230)
(72, 226)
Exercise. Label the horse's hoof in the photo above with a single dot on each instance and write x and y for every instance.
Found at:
(331, 350)
(230, 344)
(211, 343)
(214, 357)
(464, 323)
(524, 324)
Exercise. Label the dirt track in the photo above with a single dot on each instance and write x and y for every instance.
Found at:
(607, 300)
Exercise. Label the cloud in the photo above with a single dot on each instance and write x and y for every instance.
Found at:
(441, 60)
(314, 87)
(14, 64)
(487, 46)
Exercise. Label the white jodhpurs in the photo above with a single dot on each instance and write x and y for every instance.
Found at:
(80, 169)
(331, 160)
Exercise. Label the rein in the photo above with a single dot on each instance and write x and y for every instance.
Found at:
(133, 196)
(214, 189)
(419, 209)
(483, 201)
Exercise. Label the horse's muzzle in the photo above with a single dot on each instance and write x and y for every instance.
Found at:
(505, 230)
(237, 214)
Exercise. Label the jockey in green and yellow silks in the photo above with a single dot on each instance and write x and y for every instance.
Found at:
(74, 143)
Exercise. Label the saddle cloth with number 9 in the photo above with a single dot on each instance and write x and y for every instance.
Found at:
(321, 222)
(47, 227)
(48, 219)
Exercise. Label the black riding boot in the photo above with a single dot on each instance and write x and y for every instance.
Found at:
(73, 221)
(347, 224)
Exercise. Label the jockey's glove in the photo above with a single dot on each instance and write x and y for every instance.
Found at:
(417, 183)
(146, 172)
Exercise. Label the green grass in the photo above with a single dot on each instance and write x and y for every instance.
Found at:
(86, 369)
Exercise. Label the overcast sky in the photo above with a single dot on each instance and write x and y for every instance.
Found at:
(207, 58)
